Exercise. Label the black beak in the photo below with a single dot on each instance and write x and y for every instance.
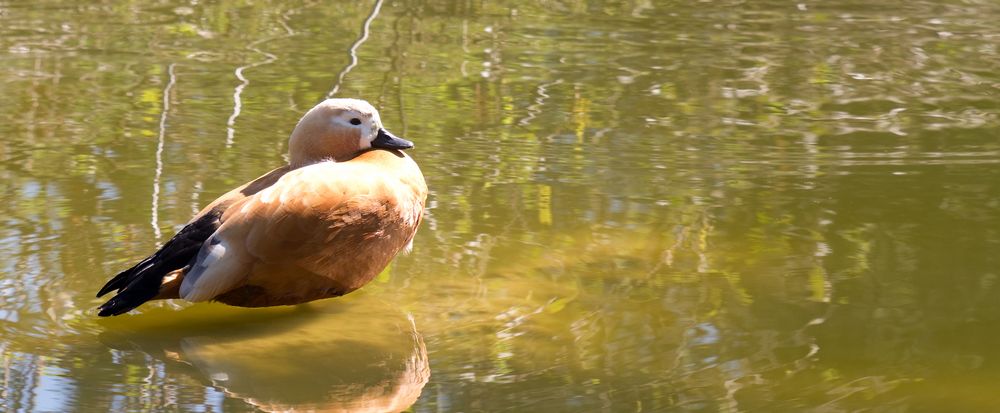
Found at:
(386, 140)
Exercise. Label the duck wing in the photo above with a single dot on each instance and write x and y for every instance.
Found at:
(142, 282)
(342, 222)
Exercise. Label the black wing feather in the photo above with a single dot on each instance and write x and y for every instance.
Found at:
(142, 282)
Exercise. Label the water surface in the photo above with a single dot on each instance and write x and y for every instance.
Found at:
(635, 206)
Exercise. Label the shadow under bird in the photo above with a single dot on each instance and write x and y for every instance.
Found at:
(322, 226)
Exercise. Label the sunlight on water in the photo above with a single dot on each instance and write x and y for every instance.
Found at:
(722, 206)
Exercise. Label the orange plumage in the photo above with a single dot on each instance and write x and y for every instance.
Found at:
(322, 226)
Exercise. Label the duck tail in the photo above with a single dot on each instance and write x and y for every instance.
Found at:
(134, 288)
(143, 281)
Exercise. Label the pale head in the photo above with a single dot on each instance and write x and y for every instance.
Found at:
(339, 129)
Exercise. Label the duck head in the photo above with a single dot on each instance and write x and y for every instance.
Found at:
(339, 129)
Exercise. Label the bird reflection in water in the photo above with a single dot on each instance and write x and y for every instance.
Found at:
(356, 355)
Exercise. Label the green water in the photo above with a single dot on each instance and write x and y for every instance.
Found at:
(635, 206)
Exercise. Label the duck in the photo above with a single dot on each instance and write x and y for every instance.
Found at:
(323, 225)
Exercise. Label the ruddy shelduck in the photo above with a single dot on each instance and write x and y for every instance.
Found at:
(322, 226)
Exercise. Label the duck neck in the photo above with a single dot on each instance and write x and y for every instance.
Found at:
(303, 152)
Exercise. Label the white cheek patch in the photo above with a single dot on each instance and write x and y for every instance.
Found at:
(366, 137)
(340, 122)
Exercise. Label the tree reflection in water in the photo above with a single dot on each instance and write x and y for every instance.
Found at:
(662, 206)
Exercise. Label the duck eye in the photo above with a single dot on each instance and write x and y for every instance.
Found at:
(355, 121)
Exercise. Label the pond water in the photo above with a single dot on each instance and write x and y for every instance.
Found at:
(634, 205)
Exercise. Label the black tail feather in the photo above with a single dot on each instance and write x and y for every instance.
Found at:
(142, 282)
(122, 279)
(127, 300)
